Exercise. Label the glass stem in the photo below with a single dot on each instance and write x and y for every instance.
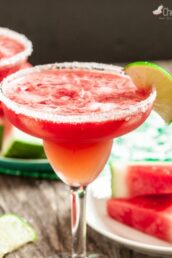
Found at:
(78, 221)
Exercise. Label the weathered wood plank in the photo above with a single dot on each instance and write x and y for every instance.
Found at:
(45, 204)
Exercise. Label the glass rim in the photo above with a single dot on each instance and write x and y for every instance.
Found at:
(75, 118)
(18, 57)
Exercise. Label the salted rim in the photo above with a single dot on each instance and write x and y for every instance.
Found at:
(21, 55)
(76, 118)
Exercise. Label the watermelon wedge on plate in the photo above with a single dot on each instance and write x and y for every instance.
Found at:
(141, 178)
(149, 214)
(141, 162)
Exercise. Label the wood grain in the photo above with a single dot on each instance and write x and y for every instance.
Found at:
(45, 204)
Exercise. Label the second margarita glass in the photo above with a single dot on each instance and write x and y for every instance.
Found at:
(15, 49)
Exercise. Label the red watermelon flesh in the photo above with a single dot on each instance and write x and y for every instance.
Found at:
(2, 119)
(149, 214)
(23, 66)
(146, 178)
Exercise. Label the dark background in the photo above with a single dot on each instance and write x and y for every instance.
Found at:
(90, 30)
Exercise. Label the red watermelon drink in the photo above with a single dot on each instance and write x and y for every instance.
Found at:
(15, 48)
(14, 51)
(77, 109)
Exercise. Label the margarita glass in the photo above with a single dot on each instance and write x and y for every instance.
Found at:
(14, 51)
(77, 109)
(15, 48)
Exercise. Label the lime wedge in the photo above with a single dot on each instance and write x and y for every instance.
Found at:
(14, 233)
(145, 75)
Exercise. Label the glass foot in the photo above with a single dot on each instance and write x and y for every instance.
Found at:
(68, 255)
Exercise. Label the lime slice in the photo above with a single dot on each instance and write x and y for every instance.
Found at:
(17, 144)
(145, 75)
(14, 233)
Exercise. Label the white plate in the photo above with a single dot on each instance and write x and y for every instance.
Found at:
(97, 218)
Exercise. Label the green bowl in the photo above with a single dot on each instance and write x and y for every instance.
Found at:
(37, 168)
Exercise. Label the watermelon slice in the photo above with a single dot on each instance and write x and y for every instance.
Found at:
(151, 214)
(17, 144)
(141, 178)
(141, 161)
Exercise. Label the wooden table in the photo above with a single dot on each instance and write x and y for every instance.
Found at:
(45, 204)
